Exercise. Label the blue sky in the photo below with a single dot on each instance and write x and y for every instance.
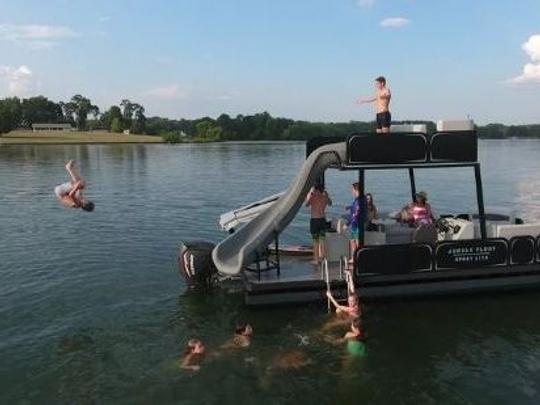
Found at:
(300, 59)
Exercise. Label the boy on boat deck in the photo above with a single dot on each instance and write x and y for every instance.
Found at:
(70, 193)
(318, 200)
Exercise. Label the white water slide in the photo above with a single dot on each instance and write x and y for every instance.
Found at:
(241, 248)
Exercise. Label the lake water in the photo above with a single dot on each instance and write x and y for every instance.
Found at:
(92, 309)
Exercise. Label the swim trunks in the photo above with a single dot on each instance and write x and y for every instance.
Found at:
(356, 233)
(384, 120)
(356, 347)
(317, 227)
(63, 189)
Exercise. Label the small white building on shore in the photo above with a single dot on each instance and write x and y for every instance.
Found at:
(51, 127)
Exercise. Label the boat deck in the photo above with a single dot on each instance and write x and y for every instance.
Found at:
(294, 269)
(298, 281)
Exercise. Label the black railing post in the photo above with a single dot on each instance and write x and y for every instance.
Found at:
(278, 264)
(258, 259)
(480, 198)
(413, 183)
(362, 197)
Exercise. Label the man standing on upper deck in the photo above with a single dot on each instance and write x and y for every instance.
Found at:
(382, 103)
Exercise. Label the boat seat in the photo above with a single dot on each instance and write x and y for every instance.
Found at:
(399, 234)
(425, 233)
(508, 231)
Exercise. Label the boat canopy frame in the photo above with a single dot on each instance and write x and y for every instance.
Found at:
(410, 151)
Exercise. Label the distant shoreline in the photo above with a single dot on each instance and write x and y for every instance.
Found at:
(74, 138)
(109, 138)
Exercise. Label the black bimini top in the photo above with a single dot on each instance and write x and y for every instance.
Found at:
(402, 150)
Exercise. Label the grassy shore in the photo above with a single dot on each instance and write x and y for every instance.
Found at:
(31, 138)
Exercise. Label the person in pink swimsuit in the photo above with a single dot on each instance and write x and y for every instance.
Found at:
(420, 211)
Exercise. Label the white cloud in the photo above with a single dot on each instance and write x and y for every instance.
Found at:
(531, 71)
(20, 80)
(36, 36)
(532, 47)
(365, 3)
(530, 74)
(395, 22)
(104, 18)
(170, 92)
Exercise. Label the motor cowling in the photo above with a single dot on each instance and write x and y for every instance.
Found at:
(195, 263)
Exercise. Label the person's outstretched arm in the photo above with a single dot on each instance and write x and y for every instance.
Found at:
(332, 299)
(367, 99)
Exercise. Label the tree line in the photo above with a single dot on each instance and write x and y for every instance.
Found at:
(82, 114)
(79, 111)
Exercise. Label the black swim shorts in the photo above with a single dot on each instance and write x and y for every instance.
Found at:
(384, 119)
(317, 227)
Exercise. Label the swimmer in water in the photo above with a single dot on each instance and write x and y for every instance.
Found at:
(70, 193)
(293, 360)
(344, 313)
(242, 337)
(351, 310)
(193, 355)
(286, 362)
(355, 338)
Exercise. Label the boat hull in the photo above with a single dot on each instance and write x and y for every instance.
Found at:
(405, 286)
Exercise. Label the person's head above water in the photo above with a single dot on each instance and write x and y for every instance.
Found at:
(194, 346)
(380, 82)
(243, 328)
(353, 301)
(87, 206)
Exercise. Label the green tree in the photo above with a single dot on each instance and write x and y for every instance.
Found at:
(208, 131)
(80, 107)
(116, 125)
(40, 110)
(10, 114)
(127, 112)
(139, 125)
(108, 116)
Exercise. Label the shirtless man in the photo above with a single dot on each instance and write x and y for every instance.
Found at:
(70, 193)
(318, 200)
(382, 103)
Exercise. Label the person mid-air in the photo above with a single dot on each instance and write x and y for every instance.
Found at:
(70, 193)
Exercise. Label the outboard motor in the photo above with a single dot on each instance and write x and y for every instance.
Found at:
(195, 263)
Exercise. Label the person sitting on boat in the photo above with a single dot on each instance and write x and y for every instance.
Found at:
(371, 213)
(70, 193)
(318, 200)
(357, 219)
(242, 337)
(420, 212)
(193, 355)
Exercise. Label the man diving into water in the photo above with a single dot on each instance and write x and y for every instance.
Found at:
(382, 105)
(70, 193)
